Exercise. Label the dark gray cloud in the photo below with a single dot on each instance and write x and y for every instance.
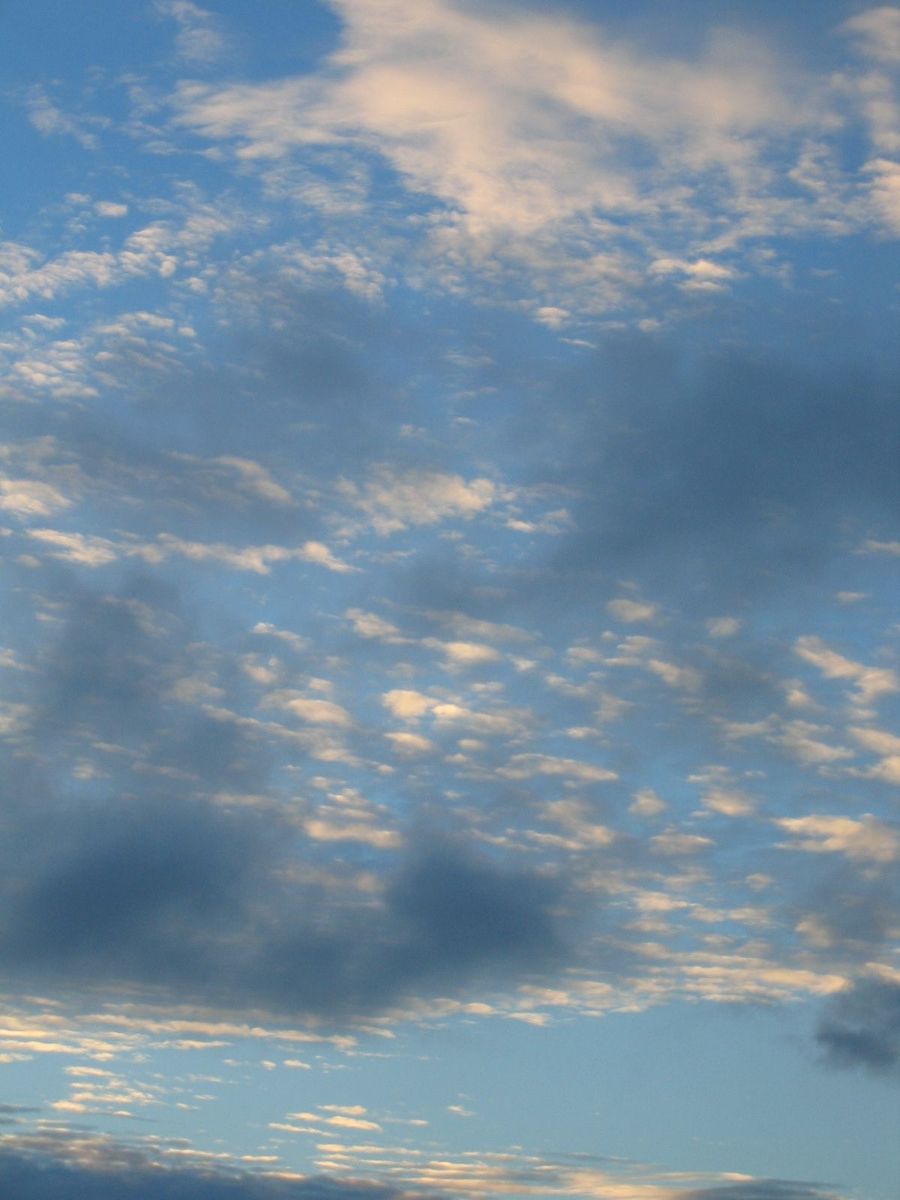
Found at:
(861, 1028)
(37, 1177)
(448, 917)
(139, 877)
(184, 897)
(719, 470)
(763, 1189)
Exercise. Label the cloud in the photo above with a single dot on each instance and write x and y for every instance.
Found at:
(395, 500)
(161, 879)
(31, 498)
(576, 163)
(762, 1189)
(92, 551)
(55, 1162)
(527, 766)
(35, 1175)
(182, 899)
(861, 1028)
(863, 840)
(110, 209)
(871, 682)
(877, 32)
(50, 120)
(200, 40)
(766, 464)
(632, 611)
(515, 128)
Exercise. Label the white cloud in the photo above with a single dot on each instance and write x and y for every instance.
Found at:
(870, 682)
(199, 40)
(50, 120)
(31, 498)
(700, 275)
(805, 742)
(864, 840)
(80, 548)
(887, 745)
(258, 559)
(256, 480)
(533, 132)
(463, 653)
(571, 815)
(675, 843)
(309, 709)
(370, 625)
(393, 501)
(646, 803)
(407, 705)
(632, 611)
(729, 802)
(682, 678)
(528, 766)
(885, 189)
(110, 209)
(877, 32)
(150, 251)
(369, 835)
(409, 745)
(721, 627)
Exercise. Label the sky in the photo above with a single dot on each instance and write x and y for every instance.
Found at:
(450, 656)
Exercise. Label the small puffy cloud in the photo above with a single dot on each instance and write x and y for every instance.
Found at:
(572, 816)
(409, 745)
(646, 803)
(318, 552)
(369, 625)
(464, 653)
(729, 802)
(346, 1122)
(865, 840)
(700, 275)
(110, 209)
(310, 709)
(632, 611)
(393, 500)
(552, 317)
(722, 627)
(675, 843)
(406, 704)
(681, 678)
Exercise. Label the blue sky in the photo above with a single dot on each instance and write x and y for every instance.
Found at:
(449, 506)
